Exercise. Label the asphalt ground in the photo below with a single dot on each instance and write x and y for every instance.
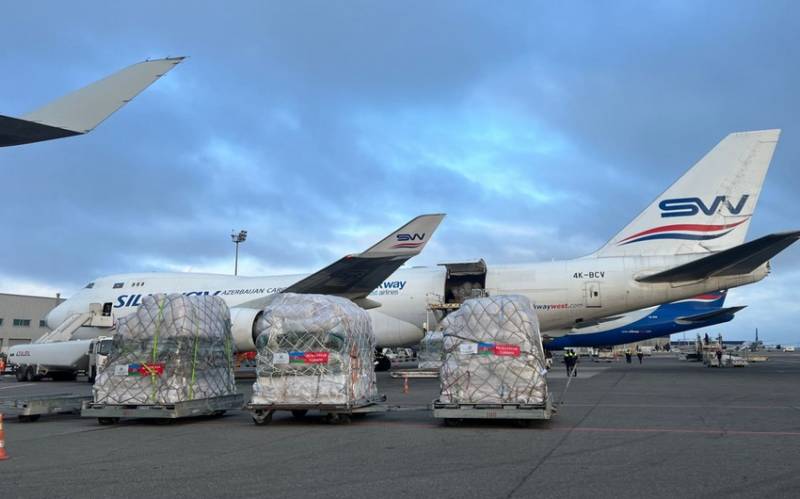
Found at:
(665, 428)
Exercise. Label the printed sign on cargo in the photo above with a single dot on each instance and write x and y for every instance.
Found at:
(506, 350)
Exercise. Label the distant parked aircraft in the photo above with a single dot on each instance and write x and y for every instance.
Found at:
(654, 322)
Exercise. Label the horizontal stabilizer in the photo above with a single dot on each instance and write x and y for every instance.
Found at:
(596, 322)
(355, 276)
(738, 260)
(699, 318)
(82, 110)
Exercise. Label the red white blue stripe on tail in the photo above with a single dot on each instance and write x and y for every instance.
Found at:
(692, 232)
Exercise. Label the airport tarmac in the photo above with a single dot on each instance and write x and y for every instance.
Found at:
(661, 429)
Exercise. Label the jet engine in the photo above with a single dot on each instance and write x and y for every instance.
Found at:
(243, 327)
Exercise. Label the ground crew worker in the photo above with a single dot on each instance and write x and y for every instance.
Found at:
(639, 354)
(548, 359)
(628, 355)
(570, 359)
(719, 357)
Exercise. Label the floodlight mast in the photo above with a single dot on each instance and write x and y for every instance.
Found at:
(237, 238)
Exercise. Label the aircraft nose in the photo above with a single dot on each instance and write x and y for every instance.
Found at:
(55, 317)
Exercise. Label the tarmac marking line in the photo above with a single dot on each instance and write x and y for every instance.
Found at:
(17, 386)
(681, 406)
(681, 430)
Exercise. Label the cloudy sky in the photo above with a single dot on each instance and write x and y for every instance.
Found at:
(319, 126)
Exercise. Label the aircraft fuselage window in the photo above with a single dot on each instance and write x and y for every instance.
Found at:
(118, 285)
(89, 286)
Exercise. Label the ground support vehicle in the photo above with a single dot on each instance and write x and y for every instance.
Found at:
(60, 360)
(334, 413)
(109, 414)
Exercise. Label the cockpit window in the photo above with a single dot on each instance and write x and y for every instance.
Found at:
(118, 285)
(89, 286)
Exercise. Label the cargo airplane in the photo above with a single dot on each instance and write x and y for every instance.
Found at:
(654, 322)
(689, 241)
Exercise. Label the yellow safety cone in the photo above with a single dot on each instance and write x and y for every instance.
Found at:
(3, 455)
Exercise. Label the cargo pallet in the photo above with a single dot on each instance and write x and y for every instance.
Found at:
(31, 409)
(522, 414)
(334, 413)
(109, 414)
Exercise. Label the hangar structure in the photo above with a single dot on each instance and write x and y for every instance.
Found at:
(22, 318)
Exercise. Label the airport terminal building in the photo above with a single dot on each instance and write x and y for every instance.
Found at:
(22, 318)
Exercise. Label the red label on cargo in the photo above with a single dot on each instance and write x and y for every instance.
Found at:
(151, 369)
(316, 357)
(506, 350)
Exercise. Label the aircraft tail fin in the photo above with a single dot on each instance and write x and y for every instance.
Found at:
(82, 110)
(709, 208)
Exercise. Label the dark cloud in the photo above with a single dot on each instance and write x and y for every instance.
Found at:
(540, 129)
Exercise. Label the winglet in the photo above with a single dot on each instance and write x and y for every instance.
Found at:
(356, 276)
(82, 110)
(408, 240)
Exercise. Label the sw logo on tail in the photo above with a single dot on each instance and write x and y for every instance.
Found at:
(409, 237)
(687, 207)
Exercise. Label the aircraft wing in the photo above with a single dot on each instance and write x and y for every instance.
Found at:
(707, 316)
(82, 110)
(738, 260)
(355, 276)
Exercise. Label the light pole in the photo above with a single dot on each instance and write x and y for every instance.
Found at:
(237, 238)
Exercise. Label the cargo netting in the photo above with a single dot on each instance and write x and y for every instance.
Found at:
(493, 353)
(431, 350)
(314, 349)
(174, 348)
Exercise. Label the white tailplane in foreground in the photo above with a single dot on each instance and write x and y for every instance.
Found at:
(689, 241)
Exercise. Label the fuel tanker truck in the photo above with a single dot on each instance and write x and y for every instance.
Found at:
(61, 360)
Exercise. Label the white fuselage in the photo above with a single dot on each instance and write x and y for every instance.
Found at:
(564, 292)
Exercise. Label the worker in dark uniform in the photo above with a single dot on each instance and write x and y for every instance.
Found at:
(570, 359)
(719, 357)
(627, 355)
(639, 354)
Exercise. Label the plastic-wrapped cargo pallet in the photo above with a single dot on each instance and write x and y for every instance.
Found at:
(174, 348)
(314, 349)
(493, 353)
(430, 350)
